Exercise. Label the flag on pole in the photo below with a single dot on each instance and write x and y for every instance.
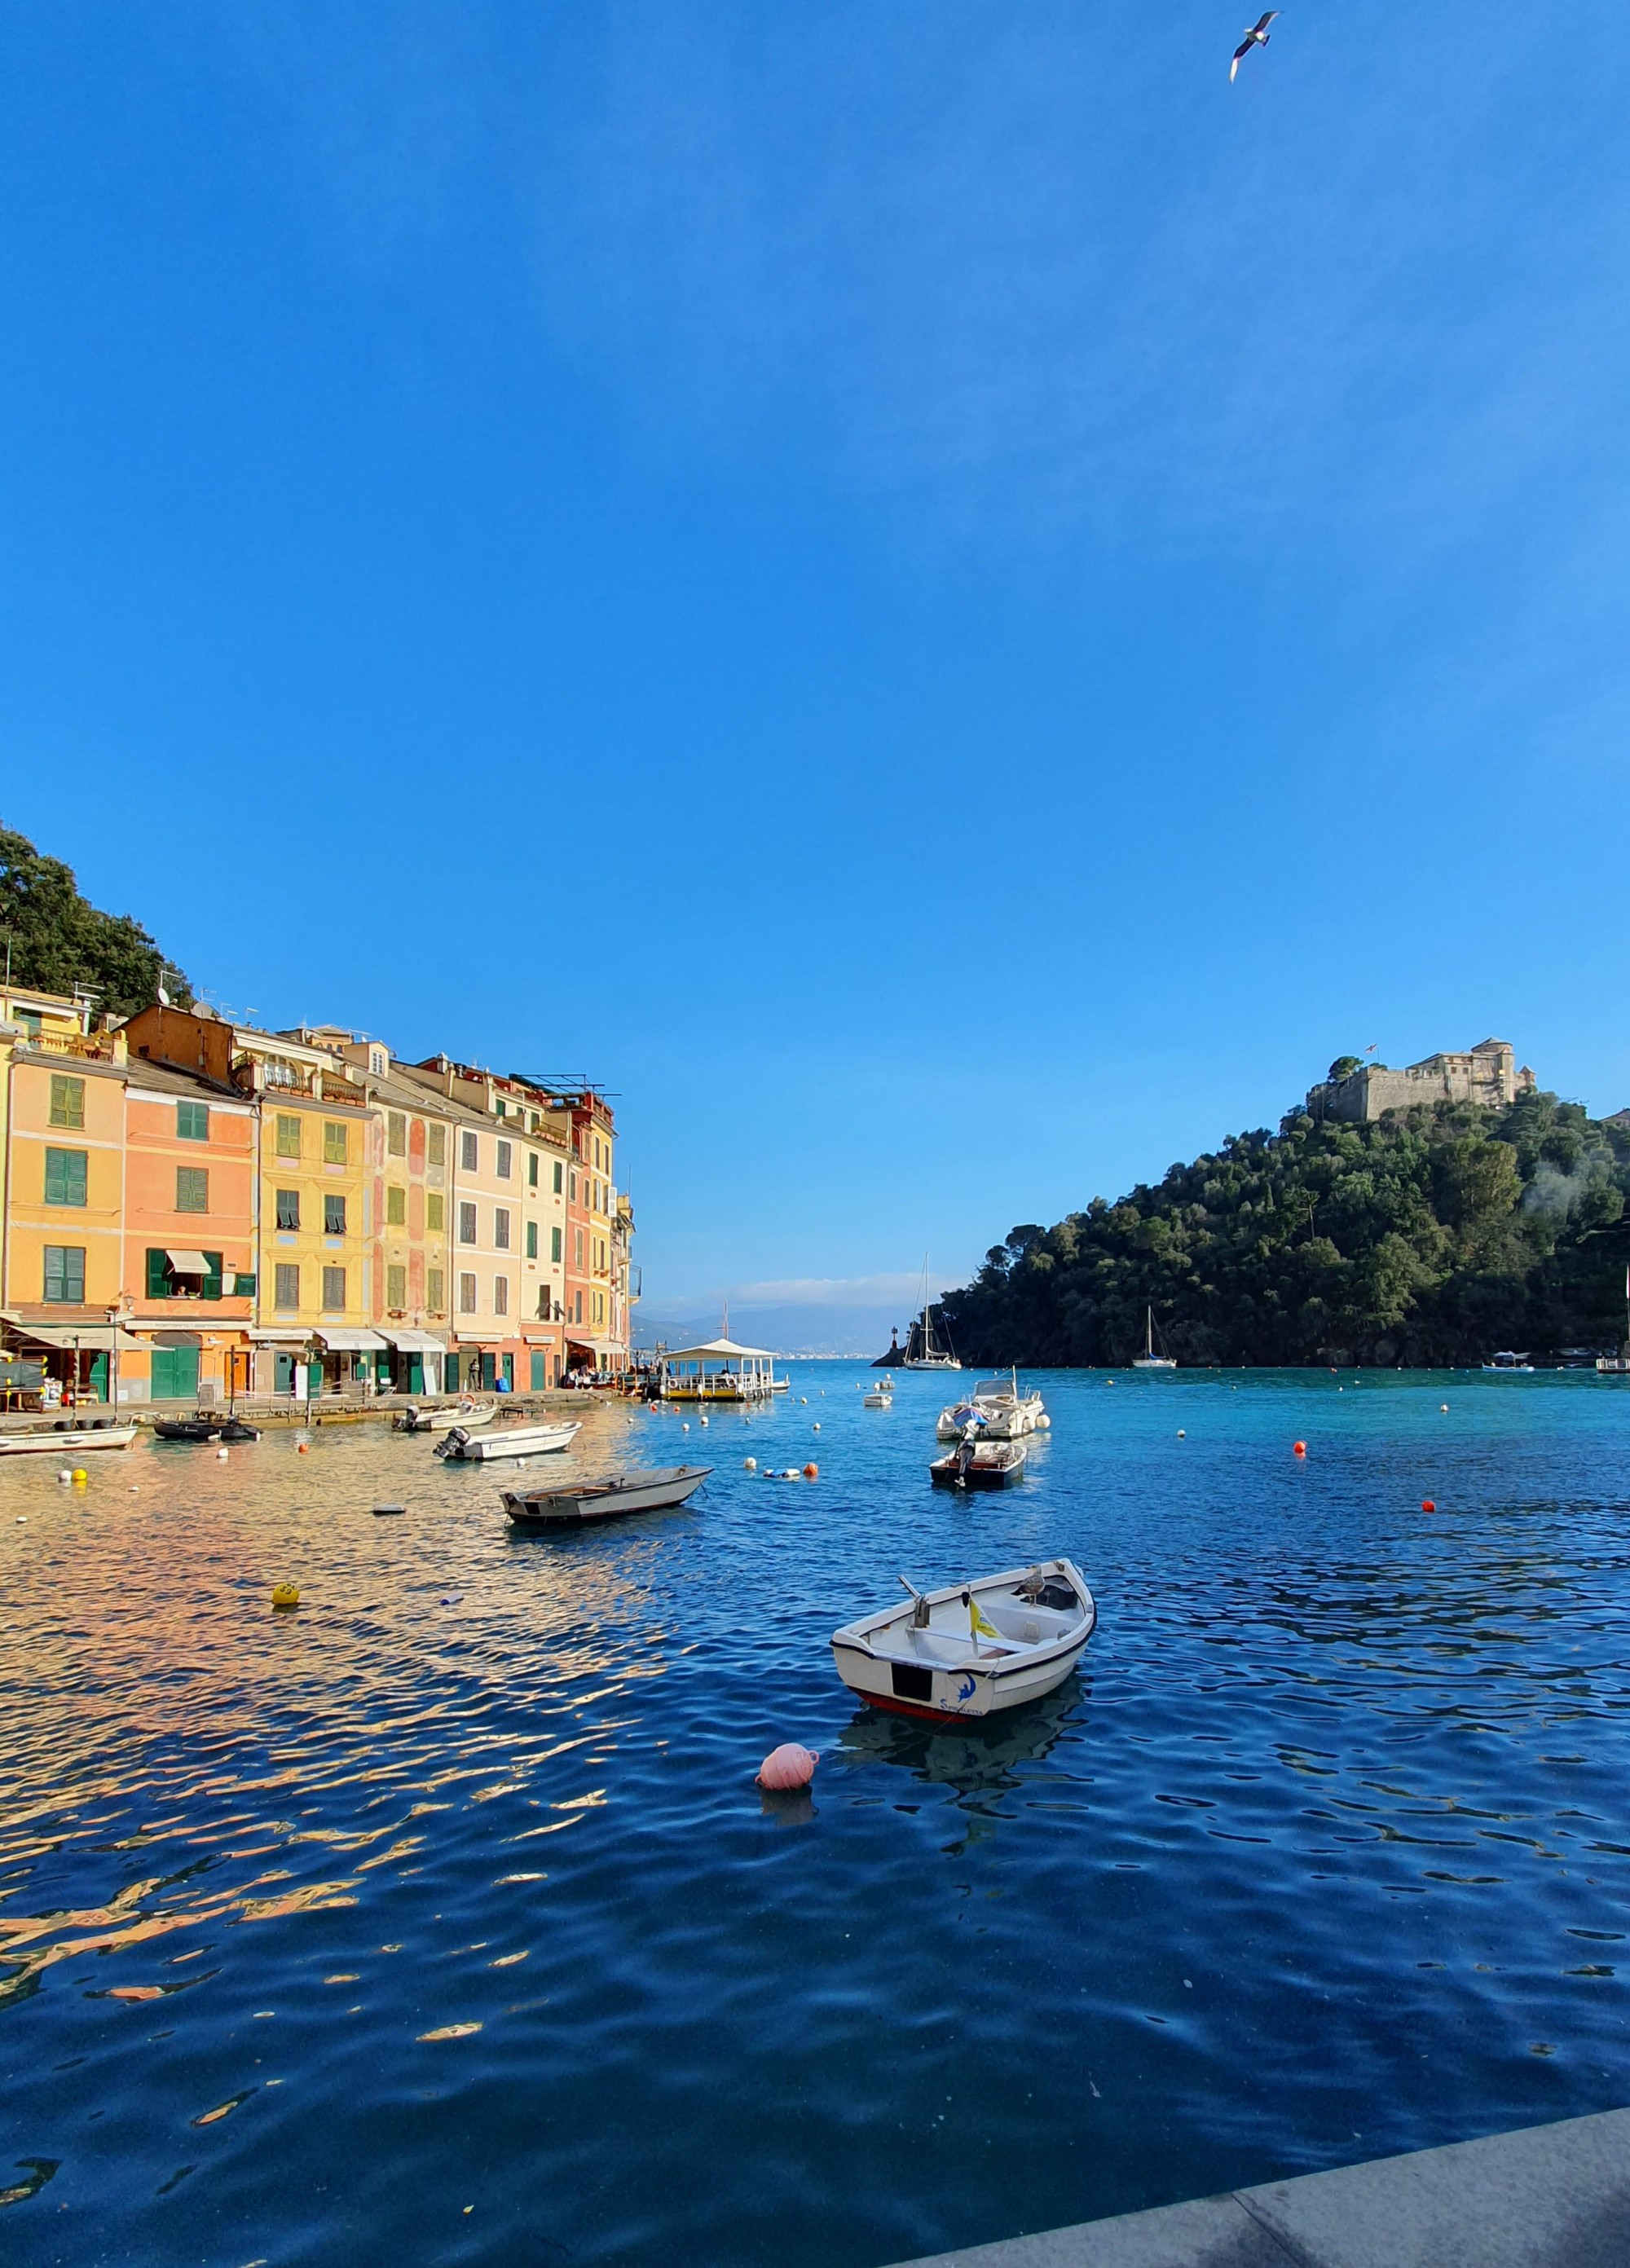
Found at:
(978, 1624)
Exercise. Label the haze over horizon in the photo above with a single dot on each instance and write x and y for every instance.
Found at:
(948, 604)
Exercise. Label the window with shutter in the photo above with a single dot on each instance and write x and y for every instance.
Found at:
(158, 1283)
(553, 1244)
(395, 1210)
(467, 1224)
(333, 1220)
(500, 1295)
(67, 1102)
(436, 1145)
(506, 1158)
(468, 1152)
(396, 1133)
(395, 1287)
(433, 1288)
(335, 1142)
(532, 1169)
(212, 1281)
(332, 1290)
(435, 1212)
(288, 1209)
(532, 1240)
(192, 1121)
(65, 1176)
(65, 1274)
(192, 1188)
(557, 1176)
(286, 1293)
(467, 1295)
(288, 1134)
(500, 1229)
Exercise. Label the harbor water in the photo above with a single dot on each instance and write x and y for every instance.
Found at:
(441, 1919)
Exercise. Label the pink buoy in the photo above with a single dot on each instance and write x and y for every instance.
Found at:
(788, 1766)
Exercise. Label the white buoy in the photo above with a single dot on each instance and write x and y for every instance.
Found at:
(685, 1428)
(749, 1465)
(222, 1454)
(703, 1421)
(816, 1426)
(65, 1474)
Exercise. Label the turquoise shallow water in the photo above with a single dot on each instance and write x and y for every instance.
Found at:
(441, 1921)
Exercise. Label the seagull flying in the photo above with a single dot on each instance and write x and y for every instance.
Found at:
(1257, 37)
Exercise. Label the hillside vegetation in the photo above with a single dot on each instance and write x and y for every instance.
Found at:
(1433, 1236)
(59, 939)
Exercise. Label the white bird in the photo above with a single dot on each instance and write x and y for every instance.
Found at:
(1255, 37)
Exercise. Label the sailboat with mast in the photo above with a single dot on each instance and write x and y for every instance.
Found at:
(1148, 1359)
(923, 1351)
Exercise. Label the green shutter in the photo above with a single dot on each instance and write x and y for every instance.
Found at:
(192, 1121)
(158, 1275)
(553, 1244)
(65, 1177)
(212, 1281)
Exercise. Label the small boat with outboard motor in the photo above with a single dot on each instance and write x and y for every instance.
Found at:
(66, 1434)
(462, 1447)
(971, 1649)
(203, 1428)
(610, 1499)
(997, 1412)
(469, 1413)
(977, 1464)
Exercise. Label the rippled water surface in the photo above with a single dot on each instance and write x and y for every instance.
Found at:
(441, 1920)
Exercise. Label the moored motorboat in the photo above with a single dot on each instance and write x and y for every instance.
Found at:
(881, 1397)
(101, 1433)
(187, 1429)
(462, 1447)
(976, 1464)
(971, 1649)
(1509, 1361)
(609, 1499)
(467, 1413)
(997, 1412)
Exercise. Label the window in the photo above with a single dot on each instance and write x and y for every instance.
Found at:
(333, 1289)
(578, 1239)
(395, 1210)
(507, 1156)
(578, 1316)
(64, 1176)
(288, 1209)
(395, 1287)
(500, 1295)
(334, 1220)
(286, 1293)
(468, 1154)
(532, 1240)
(436, 1145)
(433, 1290)
(500, 1228)
(435, 1210)
(64, 1264)
(532, 1169)
(467, 1295)
(376, 1062)
(554, 1245)
(335, 1144)
(67, 1101)
(574, 1188)
(396, 1133)
(467, 1224)
(192, 1121)
(192, 1188)
(557, 1175)
(288, 1134)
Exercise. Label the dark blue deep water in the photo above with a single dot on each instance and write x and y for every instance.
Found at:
(441, 1921)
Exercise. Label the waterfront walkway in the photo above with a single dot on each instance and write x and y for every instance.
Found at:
(1544, 2196)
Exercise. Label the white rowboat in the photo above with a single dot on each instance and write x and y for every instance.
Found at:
(932, 1658)
(513, 1441)
(570, 1505)
(73, 1437)
(467, 1414)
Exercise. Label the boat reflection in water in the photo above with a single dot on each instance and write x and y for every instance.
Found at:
(978, 1758)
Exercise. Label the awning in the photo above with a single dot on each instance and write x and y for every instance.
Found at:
(351, 1342)
(189, 1263)
(481, 1339)
(281, 1337)
(90, 1338)
(417, 1342)
(175, 1339)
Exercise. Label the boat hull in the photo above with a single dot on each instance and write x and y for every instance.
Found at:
(107, 1437)
(887, 1663)
(998, 1467)
(442, 1421)
(629, 1493)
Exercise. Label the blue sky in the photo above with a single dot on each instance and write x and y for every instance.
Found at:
(945, 602)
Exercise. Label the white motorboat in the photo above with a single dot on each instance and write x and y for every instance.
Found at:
(923, 1351)
(1148, 1359)
(996, 1410)
(570, 1505)
(881, 1397)
(1508, 1359)
(511, 1441)
(971, 1649)
(467, 1412)
(105, 1434)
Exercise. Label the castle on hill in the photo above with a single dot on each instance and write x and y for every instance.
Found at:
(1360, 1093)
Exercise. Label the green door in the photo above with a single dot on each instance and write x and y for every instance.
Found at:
(176, 1375)
(99, 1377)
(540, 1378)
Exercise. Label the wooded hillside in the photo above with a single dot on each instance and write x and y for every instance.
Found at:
(58, 939)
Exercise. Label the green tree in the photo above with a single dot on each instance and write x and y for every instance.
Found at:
(58, 939)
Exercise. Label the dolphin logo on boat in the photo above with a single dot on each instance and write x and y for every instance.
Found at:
(966, 1690)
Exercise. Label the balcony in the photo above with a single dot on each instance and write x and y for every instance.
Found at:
(85, 1047)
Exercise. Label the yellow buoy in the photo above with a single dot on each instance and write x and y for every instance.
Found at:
(286, 1595)
(80, 1475)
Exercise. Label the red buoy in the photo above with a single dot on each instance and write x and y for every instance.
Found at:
(1298, 1448)
(812, 1472)
(1426, 1505)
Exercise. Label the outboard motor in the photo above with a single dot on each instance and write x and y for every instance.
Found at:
(452, 1441)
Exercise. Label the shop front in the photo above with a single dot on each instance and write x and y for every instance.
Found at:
(76, 1362)
(416, 1363)
(481, 1366)
(353, 1361)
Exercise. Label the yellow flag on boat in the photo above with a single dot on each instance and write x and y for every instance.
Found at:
(978, 1624)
